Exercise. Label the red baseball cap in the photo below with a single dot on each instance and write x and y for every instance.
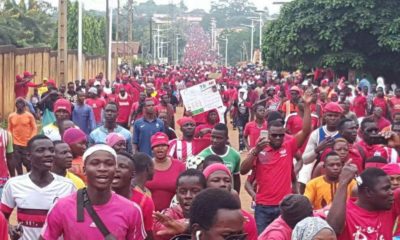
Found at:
(333, 107)
(159, 138)
(27, 74)
(62, 104)
(18, 77)
(184, 120)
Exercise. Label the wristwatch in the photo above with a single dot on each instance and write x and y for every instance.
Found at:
(254, 152)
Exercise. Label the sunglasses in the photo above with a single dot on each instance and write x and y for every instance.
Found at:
(242, 236)
(277, 135)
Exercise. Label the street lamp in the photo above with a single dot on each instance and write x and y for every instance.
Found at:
(252, 38)
(260, 12)
(177, 49)
(226, 50)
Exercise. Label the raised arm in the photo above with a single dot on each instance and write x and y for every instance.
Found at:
(337, 214)
(301, 136)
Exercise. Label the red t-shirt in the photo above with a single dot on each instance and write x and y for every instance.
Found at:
(252, 131)
(124, 108)
(294, 123)
(373, 150)
(135, 107)
(146, 205)
(278, 230)
(382, 123)
(274, 173)
(163, 185)
(360, 105)
(363, 224)
(394, 102)
(97, 105)
(381, 102)
(250, 226)
(112, 97)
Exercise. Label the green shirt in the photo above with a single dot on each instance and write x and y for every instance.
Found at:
(231, 158)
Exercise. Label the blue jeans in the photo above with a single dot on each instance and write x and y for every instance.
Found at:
(264, 216)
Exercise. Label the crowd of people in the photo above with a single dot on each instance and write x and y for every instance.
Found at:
(102, 159)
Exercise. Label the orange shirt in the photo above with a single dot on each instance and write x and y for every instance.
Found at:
(77, 168)
(22, 127)
(321, 193)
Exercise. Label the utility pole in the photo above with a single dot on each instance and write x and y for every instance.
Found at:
(62, 41)
(117, 22)
(177, 50)
(151, 37)
(130, 20)
(252, 38)
(80, 39)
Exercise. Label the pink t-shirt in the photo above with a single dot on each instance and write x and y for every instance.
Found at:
(163, 185)
(363, 224)
(122, 218)
(277, 230)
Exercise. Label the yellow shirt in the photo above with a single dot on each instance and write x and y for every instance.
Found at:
(321, 193)
(79, 184)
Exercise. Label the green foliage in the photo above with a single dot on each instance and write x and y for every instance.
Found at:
(231, 13)
(238, 45)
(341, 34)
(26, 26)
(93, 31)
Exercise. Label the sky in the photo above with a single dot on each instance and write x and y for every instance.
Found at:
(191, 4)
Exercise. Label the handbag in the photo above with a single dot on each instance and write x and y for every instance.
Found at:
(84, 202)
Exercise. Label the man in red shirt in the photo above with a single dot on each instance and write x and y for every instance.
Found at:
(97, 105)
(360, 104)
(124, 102)
(22, 84)
(373, 144)
(252, 129)
(166, 107)
(380, 120)
(272, 159)
(394, 102)
(380, 101)
(373, 214)
(121, 185)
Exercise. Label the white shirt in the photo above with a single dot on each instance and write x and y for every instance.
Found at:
(33, 202)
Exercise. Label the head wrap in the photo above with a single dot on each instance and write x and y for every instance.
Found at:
(309, 227)
(184, 120)
(216, 167)
(99, 147)
(325, 81)
(333, 107)
(93, 90)
(62, 104)
(73, 135)
(295, 88)
(391, 169)
(294, 208)
(114, 138)
(159, 138)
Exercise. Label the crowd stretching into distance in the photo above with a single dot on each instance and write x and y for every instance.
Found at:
(112, 159)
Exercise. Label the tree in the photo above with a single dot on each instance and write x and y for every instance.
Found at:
(340, 34)
(93, 31)
(26, 26)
